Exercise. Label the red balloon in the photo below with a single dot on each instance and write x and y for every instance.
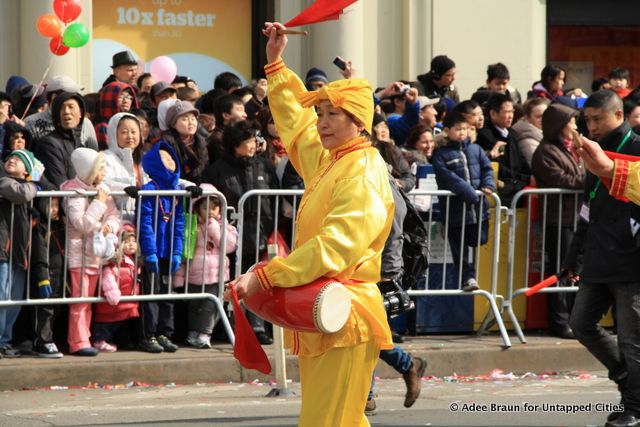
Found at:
(67, 10)
(57, 47)
(48, 25)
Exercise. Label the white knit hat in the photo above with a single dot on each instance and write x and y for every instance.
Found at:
(87, 163)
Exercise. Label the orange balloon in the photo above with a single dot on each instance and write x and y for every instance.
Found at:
(49, 26)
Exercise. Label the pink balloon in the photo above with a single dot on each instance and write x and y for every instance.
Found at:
(163, 69)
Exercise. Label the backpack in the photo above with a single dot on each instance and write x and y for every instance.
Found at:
(415, 249)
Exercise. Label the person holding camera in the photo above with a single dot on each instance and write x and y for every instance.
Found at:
(344, 219)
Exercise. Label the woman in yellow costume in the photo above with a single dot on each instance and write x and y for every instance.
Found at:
(343, 222)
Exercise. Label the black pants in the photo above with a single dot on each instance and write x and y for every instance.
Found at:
(45, 315)
(621, 358)
(470, 241)
(558, 304)
(105, 331)
(157, 316)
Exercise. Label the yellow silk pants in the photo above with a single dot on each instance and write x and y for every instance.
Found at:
(335, 386)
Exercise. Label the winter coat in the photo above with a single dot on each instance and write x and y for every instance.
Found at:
(427, 87)
(51, 267)
(514, 171)
(158, 241)
(54, 150)
(193, 159)
(85, 216)
(528, 137)
(539, 91)
(108, 107)
(41, 124)
(611, 251)
(555, 167)
(462, 168)
(118, 280)
(205, 265)
(397, 165)
(14, 233)
(235, 176)
(400, 125)
(120, 169)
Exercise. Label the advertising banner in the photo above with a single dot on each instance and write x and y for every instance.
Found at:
(204, 38)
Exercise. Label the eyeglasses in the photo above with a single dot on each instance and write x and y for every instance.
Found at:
(126, 98)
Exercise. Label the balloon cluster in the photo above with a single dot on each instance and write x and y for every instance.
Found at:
(50, 25)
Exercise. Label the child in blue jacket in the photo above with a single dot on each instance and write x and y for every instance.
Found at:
(462, 168)
(161, 241)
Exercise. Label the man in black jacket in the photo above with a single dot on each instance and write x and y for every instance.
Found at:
(54, 150)
(609, 241)
(501, 144)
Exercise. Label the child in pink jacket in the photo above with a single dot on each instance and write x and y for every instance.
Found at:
(86, 216)
(119, 278)
(204, 268)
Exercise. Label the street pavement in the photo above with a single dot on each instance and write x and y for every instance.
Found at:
(498, 399)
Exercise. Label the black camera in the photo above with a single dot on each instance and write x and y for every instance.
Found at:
(396, 300)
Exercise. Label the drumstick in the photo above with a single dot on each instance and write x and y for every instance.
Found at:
(292, 32)
(546, 282)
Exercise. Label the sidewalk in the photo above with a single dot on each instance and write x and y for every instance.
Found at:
(463, 355)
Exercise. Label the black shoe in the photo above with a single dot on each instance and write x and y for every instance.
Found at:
(614, 415)
(150, 345)
(629, 418)
(563, 332)
(396, 337)
(10, 352)
(166, 344)
(86, 352)
(263, 338)
(47, 351)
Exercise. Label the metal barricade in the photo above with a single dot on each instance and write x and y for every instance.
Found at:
(491, 295)
(536, 246)
(47, 198)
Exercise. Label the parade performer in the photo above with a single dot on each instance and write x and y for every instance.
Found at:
(343, 222)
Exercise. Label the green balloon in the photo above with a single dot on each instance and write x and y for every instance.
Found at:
(76, 35)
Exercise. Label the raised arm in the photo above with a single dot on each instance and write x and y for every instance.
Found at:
(295, 124)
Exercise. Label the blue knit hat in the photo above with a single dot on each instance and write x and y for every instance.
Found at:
(15, 82)
(316, 74)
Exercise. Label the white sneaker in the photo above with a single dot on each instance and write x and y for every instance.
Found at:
(204, 340)
(198, 340)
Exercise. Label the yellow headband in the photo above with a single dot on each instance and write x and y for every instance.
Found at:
(352, 95)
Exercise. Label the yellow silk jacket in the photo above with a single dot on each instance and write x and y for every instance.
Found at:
(343, 220)
(625, 184)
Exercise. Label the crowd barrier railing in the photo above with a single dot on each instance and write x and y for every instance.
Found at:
(491, 294)
(42, 204)
(546, 232)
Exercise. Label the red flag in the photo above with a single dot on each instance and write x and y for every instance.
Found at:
(247, 349)
(319, 11)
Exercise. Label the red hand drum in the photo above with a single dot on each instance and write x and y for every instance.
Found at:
(320, 306)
